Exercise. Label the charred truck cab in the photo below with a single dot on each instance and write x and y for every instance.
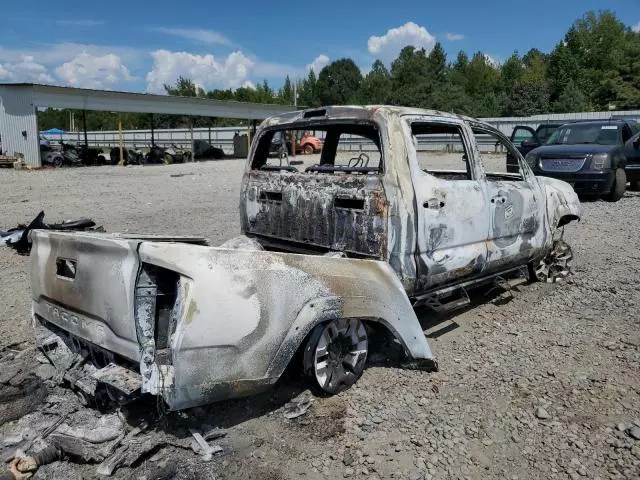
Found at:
(335, 252)
(378, 192)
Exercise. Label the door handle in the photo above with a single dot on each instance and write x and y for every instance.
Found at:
(499, 199)
(433, 203)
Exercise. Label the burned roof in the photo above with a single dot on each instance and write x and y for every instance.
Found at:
(362, 113)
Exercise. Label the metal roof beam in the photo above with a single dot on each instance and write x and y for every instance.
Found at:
(110, 101)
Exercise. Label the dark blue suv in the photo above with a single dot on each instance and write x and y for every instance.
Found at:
(590, 155)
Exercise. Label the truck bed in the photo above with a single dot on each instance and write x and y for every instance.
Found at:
(194, 323)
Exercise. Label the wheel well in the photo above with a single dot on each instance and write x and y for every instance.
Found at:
(384, 346)
(566, 219)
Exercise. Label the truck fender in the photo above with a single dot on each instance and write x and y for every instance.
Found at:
(400, 321)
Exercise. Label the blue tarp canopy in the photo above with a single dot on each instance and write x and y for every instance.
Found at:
(52, 131)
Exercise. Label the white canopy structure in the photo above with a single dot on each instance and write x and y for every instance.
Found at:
(19, 103)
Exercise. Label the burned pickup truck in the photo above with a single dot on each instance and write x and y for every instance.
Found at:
(334, 253)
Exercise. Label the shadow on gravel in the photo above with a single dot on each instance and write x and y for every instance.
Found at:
(224, 414)
(596, 198)
(493, 293)
(21, 392)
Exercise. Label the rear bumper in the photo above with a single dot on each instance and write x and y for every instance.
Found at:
(86, 366)
(92, 370)
(588, 183)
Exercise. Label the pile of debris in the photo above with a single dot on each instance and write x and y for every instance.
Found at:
(107, 441)
(18, 237)
(41, 424)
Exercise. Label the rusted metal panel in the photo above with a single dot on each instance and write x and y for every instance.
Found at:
(344, 213)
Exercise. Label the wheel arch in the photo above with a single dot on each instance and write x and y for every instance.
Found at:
(565, 219)
(320, 310)
(618, 159)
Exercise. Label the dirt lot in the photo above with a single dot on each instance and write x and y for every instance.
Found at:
(542, 382)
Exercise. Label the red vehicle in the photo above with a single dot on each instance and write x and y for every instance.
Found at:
(308, 144)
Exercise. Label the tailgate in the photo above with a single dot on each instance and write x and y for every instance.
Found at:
(84, 283)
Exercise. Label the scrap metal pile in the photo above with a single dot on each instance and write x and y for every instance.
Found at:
(18, 237)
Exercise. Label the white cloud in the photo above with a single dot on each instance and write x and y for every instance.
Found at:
(388, 46)
(318, 63)
(491, 60)
(107, 66)
(453, 37)
(636, 27)
(25, 70)
(79, 23)
(205, 70)
(57, 53)
(208, 37)
(90, 71)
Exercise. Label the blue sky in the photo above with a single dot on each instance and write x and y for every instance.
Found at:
(140, 45)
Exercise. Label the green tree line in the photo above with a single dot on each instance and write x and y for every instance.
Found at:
(596, 66)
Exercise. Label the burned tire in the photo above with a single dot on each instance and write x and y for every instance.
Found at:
(335, 354)
(308, 149)
(58, 162)
(619, 186)
(555, 266)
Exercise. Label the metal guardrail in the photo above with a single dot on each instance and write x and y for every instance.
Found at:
(223, 138)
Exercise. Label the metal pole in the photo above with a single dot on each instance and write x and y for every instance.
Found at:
(152, 139)
(248, 137)
(84, 126)
(121, 162)
(293, 143)
(192, 141)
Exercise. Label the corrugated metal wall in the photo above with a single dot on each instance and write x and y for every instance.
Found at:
(18, 127)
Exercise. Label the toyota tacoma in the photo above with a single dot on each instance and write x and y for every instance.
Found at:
(332, 255)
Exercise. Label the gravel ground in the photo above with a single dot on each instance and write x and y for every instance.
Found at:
(540, 382)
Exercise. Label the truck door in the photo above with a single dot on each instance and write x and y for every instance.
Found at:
(451, 202)
(517, 230)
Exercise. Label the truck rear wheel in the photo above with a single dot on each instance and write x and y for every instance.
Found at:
(335, 354)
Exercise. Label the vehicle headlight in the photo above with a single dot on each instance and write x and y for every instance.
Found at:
(531, 159)
(600, 161)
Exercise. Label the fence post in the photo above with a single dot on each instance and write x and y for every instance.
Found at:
(192, 141)
(121, 162)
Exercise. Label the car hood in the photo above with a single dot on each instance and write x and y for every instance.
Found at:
(578, 149)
